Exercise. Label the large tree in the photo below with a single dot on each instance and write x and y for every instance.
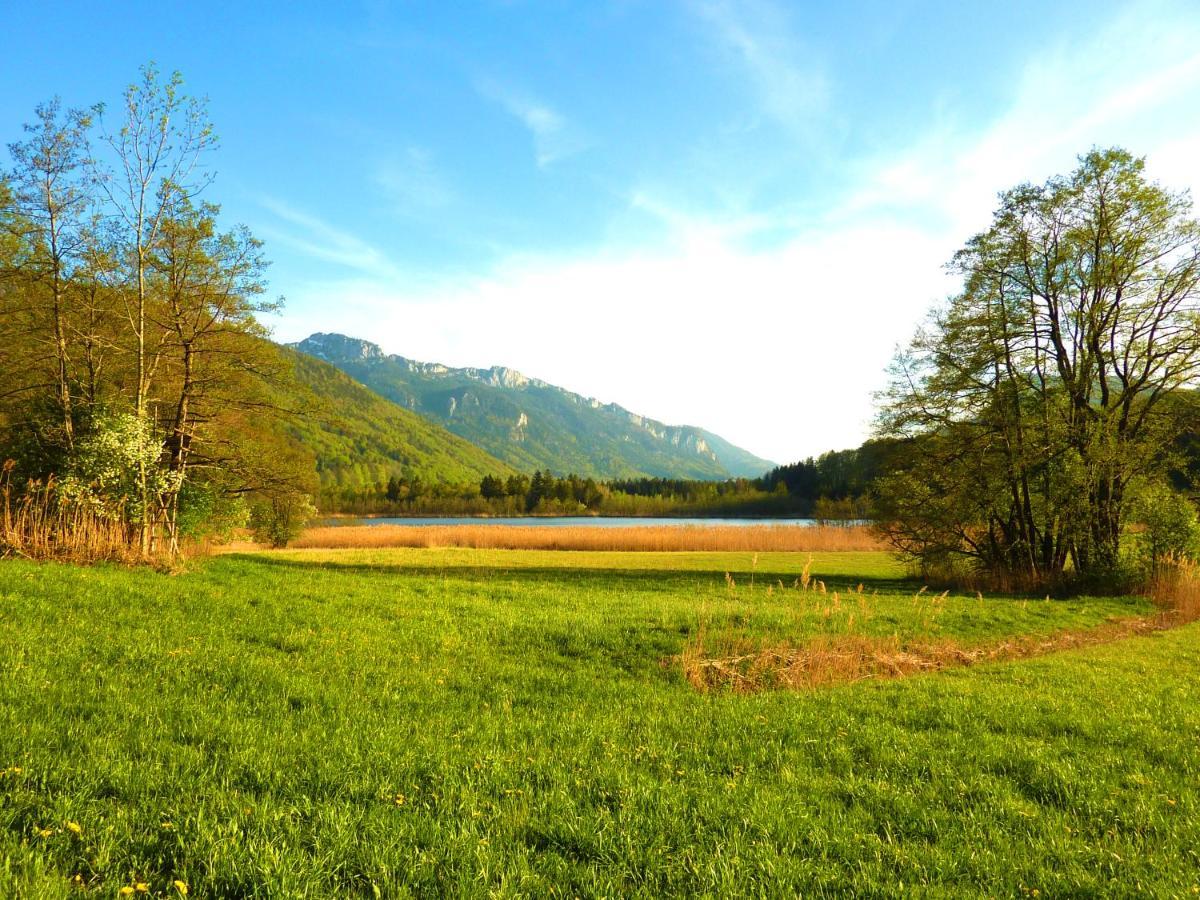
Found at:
(1042, 394)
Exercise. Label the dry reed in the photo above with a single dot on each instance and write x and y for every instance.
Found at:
(38, 524)
(830, 659)
(1175, 586)
(817, 538)
(841, 654)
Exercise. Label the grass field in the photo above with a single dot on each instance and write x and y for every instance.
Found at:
(440, 722)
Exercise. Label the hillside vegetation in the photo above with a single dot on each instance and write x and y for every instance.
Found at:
(359, 439)
(533, 425)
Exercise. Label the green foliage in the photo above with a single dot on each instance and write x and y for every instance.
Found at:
(1040, 396)
(104, 471)
(1171, 525)
(278, 520)
(453, 723)
(207, 511)
(131, 358)
(364, 445)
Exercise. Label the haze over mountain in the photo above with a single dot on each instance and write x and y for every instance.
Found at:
(531, 424)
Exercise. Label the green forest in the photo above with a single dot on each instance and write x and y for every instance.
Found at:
(835, 486)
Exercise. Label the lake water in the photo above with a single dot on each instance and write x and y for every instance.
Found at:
(566, 521)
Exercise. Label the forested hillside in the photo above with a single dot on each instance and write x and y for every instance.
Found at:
(533, 425)
(360, 440)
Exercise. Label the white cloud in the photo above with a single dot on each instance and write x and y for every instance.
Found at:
(553, 137)
(317, 238)
(753, 346)
(779, 350)
(1135, 83)
(791, 87)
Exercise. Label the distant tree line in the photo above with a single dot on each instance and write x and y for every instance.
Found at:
(832, 486)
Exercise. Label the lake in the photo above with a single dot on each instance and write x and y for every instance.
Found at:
(566, 521)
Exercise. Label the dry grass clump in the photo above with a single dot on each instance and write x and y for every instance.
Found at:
(38, 522)
(830, 659)
(1175, 586)
(36, 525)
(650, 538)
(840, 652)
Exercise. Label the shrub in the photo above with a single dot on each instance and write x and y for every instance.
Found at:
(1171, 528)
(278, 520)
(104, 471)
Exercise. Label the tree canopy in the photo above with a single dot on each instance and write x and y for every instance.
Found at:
(1043, 396)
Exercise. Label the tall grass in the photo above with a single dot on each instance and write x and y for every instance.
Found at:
(38, 523)
(820, 538)
(1175, 586)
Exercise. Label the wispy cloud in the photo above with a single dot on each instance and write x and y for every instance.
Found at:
(1133, 83)
(317, 238)
(411, 178)
(791, 86)
(553, 136)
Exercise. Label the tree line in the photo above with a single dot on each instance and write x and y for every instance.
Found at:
(134, 378)
(833, 486)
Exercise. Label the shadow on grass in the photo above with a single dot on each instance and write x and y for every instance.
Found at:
(652, 578)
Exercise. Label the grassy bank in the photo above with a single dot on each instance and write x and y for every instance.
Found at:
(433, 722)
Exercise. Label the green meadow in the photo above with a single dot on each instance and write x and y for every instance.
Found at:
(507, 723)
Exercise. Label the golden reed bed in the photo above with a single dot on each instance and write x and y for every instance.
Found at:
(637, 537)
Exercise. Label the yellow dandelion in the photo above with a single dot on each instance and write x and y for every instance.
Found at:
(74, 828)
(126, 891)
(399, 800)
(44, 832)
(142, 888)
(181, 886)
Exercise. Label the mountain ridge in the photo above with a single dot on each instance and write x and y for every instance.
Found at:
(532, 424)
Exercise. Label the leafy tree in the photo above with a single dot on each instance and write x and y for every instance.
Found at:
(1039, 396)
(106, 468)
(157, 164)
(49, 201)
(1171, 528)
(128, 322)
(279, 519)
(393, 490)
(491, 487)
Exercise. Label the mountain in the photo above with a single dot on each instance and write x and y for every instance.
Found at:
(361, 439)
(531, 424)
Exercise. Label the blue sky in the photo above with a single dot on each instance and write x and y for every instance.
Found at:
(714, 212)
